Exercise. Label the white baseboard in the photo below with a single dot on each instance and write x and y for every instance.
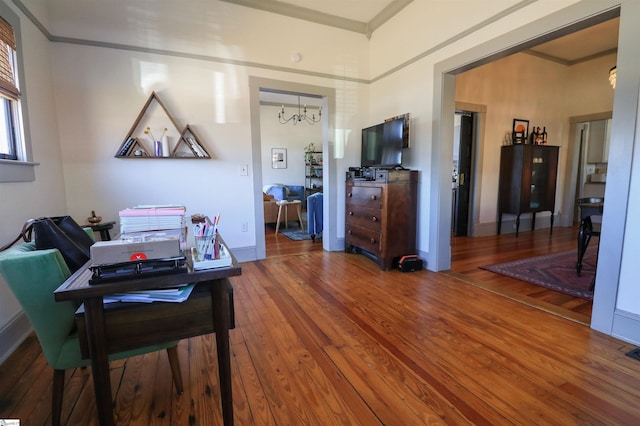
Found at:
(13, 334)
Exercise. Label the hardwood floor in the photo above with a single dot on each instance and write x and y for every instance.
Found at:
(468, 254)
(327, 338)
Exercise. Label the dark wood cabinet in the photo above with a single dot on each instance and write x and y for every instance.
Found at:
(528, 175)
(381, 214)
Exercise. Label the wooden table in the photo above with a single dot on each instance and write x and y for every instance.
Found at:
(285, 204)
(103, 228)
(123, 326)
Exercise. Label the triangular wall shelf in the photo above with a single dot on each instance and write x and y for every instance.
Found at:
(187, 146)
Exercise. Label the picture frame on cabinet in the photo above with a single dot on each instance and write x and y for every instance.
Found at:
(278, 158)
(520, 131)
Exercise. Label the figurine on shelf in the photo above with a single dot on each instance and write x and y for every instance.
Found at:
(93, 219)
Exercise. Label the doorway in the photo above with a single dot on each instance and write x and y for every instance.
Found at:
(462, 175)
(292, 130)
(256, 85)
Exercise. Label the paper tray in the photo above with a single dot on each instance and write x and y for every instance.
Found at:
(143, 268)
(224, 261)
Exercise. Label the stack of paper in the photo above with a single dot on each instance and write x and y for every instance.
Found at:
(176, 295)
(151, 218)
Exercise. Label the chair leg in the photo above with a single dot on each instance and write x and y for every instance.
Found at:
(57, 393)
(172, 353)
(583, 242)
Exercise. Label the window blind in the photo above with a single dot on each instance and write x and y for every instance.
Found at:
(8, 86)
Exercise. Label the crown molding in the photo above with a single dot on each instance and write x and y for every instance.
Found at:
(298, 12)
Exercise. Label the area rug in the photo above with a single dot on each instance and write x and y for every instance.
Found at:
(295, 232)
(556, 271)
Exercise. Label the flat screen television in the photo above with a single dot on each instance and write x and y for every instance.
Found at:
(382, 144)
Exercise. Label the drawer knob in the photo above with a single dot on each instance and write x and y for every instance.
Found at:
(373, 218)
(349, 232)
(349, 195)
(373, 198)
(350, 213)
(373, 241)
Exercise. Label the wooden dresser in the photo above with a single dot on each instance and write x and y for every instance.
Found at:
(381, 214)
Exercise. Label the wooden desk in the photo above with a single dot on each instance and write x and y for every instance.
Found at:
(128, 326)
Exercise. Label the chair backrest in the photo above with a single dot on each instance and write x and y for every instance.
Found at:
(33, 275)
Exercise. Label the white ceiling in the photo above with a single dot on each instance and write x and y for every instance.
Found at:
(594, 41)
(600, 39)
(586, 44)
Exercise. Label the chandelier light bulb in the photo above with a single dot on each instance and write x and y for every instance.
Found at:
(301, 115)
(613, 76)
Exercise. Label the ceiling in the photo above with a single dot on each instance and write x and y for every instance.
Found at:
(598, 40)
(361, 16)
(367, 15)
(589, 43)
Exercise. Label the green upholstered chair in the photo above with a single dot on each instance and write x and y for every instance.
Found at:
(32, 276)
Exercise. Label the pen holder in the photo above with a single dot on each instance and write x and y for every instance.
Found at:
(207, 247)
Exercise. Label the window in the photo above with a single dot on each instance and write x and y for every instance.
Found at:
(16, 164)
(9, 95)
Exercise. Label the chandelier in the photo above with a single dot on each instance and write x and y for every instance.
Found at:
(301, 115)
(612, 77)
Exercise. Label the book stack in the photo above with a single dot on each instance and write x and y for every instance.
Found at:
(149, 223)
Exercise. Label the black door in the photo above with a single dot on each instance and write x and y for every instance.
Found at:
(461, 212)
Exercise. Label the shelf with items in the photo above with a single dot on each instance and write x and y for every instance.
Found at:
(313, 172)
(187, 145)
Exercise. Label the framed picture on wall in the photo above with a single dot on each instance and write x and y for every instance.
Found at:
(405, 127)
(520, 131)
(278, 158)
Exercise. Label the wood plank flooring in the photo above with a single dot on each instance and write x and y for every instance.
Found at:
(329, 339)
(469, 254)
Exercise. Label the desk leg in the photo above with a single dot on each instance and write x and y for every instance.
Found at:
(94, 316)
(221, 324)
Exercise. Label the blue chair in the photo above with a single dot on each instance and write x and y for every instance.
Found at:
(286, 192)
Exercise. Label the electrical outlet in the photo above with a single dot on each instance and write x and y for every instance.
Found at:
(244, 170)
(245, 227)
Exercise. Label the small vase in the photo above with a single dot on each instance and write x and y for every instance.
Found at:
(165, 146)
(157, 145)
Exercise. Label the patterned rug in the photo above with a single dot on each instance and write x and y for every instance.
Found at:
(295, 233)
(556, 271)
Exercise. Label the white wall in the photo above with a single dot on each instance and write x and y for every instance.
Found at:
(291, 137)
(46, 195)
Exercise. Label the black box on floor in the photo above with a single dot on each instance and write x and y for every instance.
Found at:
(410, 263)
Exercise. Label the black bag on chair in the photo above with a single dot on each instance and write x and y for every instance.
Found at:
(64, 234)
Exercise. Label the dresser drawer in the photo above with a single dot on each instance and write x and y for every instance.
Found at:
(364, 218)
(363, 238)
(365, 196)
